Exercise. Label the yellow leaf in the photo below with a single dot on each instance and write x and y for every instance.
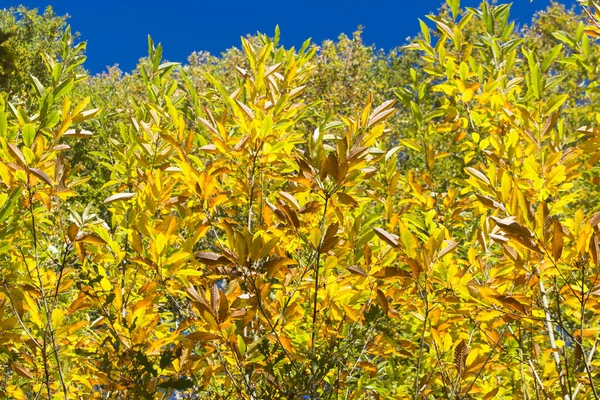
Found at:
(286, 343)
(57, 317)
(315, 237)
(105, 284)
(351, 313)
(33, 310)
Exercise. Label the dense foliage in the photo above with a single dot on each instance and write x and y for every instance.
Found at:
(326, 222)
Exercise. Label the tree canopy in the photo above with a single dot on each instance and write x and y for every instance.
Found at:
(326, 222)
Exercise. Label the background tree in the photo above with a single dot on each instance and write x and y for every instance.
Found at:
(32, 35)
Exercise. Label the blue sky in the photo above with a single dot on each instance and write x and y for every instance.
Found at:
(116, 30)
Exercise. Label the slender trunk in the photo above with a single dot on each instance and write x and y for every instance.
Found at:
(315, 302)
(555, 350)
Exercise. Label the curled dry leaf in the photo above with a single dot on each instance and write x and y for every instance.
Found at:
(387, 237)
(90, 238)
(210, 258)
(290, 199)
(119, 196)
(355, 269)
(17, 155)
(42, 175)
(451, 245)
(61, 147)
(21, 370)
(478, 175)
(78, 133)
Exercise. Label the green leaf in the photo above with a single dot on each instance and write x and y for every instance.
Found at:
(425, 30)
(551, 57)
(267, 125)
(157, 57)
(409, 242)
(3, 124)
(28, 131)
(556, 103)
(277, 36)
(150, 48)
(9, 204)
(565, 38)
(166, 65)
(51, 120)
(38, 86)
(64, 87)
(535, 76)
(454, 6)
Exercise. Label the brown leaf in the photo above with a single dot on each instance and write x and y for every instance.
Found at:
(489, 202)
(511, 226)
(21, 370)
(328, 244)
(209, 148)
(451, 245)
(380, 117)
(357, 153)
(347, 199)
(383, 106)
(90, 238)
(223, 308)
(550, 123)
(595, 250)
(387, 237)
(511, 302)
(73, 231)
(42, 175)
(517, 231)
(531, 137)
(595, 220)
(528, 242)
(355, 269)
(247, 110)
(498, 238)
(330, 239)
(557, 239)
(61, 147)
(214, 297)
(310, 207)
(16, 153)
(210, 258)
(389, 272)
(290, 198)
(292, 217)
(415, 267)
(491, 394)
(78, 133)
(202, 336)
(199, 300)
(226, 271)
(382, 301)
(460, 357)
(242, 142)
(238, 314)
(332, 166)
